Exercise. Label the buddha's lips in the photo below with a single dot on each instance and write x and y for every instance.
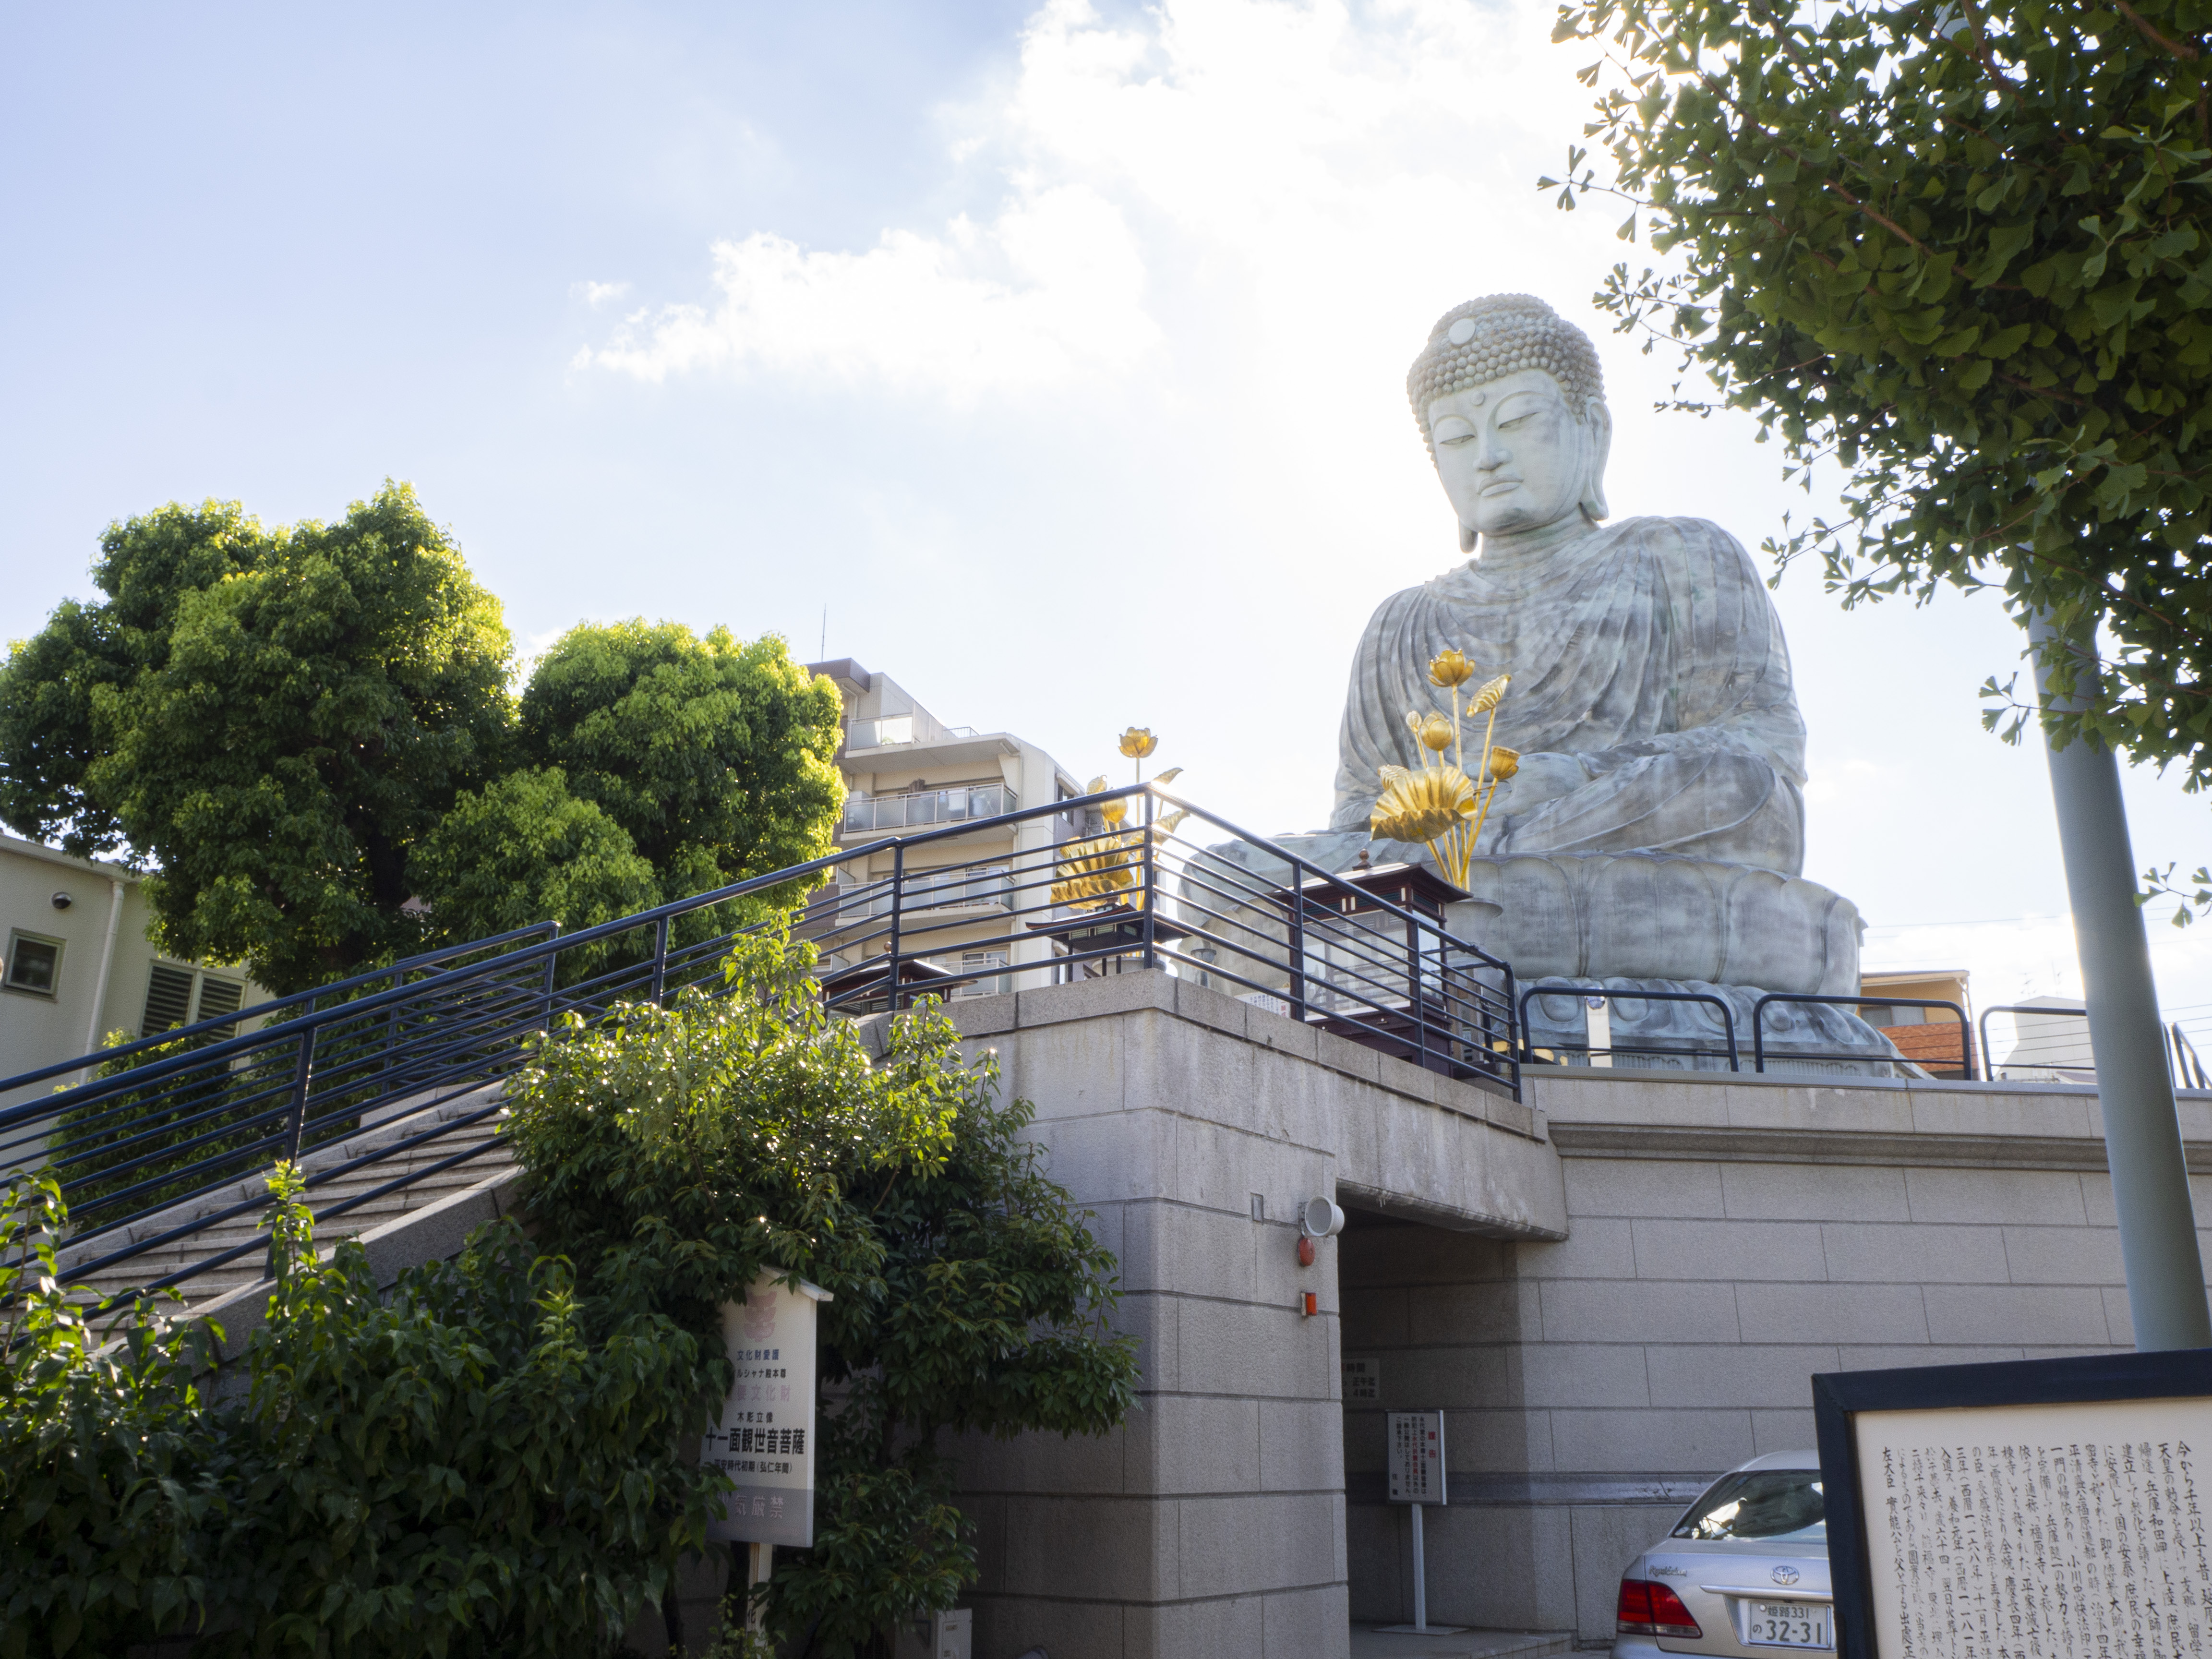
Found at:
(1497, 484)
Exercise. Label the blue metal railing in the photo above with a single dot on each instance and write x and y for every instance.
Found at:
(152, 1147)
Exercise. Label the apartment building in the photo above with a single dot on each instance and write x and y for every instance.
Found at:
(78, 965)
(906, 772)
(1930, 1036)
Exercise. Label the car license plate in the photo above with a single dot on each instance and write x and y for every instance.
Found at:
(1788, 1624)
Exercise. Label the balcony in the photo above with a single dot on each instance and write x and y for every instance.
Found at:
(893, 730)
(920, 808)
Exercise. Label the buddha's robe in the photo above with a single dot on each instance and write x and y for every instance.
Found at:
(1647, 649)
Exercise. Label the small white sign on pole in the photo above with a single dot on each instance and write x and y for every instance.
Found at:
(1417, 1457)
(765, 1441)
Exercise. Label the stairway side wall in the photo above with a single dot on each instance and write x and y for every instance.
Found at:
(1727, 1239)
(1213, 1521)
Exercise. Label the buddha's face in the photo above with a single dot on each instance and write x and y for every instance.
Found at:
(1512, 454)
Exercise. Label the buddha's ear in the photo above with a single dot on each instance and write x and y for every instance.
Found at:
(1597, 427)
(1466, 539)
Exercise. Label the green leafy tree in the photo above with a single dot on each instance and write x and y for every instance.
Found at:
(717, 755)
(302, 729)
(522, 850)
(689, 1148)
(272, 717)
(1961, 247)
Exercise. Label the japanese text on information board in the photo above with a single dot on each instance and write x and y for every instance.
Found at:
(2038, 1531)
(1417, 1457)
(765, 1440)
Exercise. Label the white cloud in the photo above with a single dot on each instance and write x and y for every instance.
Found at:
(1214, 176)
(597, 294)
(1053, 285)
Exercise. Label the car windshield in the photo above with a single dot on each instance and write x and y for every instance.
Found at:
(1759, 1503)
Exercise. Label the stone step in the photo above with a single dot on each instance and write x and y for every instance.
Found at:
(212, 1240)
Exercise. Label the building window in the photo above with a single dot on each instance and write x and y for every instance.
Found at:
(34, 964)
(981, 962)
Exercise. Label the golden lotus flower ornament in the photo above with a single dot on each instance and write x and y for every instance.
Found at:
(1437, 804)
(1422, 805)
(1449, 668)
(1103, 870)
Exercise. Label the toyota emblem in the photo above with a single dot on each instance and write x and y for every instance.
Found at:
(1785, 1574)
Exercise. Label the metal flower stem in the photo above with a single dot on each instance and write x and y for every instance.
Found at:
(1489, 794)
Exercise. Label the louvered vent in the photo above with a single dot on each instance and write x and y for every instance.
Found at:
(219, 997)
(168, 999)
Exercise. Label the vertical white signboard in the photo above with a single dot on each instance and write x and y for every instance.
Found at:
(765, 1441)
(1417, 1457)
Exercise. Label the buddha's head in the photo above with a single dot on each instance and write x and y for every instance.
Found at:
(1510, 399)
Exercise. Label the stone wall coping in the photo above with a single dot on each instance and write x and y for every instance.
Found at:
(1732, 1115)
(1157, 991)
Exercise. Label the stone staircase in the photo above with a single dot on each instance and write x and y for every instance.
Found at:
(397, 1123)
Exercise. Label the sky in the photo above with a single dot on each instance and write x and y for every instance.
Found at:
(1050, 358)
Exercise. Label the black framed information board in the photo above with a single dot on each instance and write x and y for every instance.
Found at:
(2041, 1508)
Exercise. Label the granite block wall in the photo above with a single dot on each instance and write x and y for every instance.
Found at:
(1725, 1242)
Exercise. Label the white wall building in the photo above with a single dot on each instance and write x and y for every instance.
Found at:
(77, 964)
(906, 771)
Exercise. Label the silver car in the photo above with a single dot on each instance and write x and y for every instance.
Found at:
(1745, 1571)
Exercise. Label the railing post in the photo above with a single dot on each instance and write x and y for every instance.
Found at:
(1297, 986)
(659, 959)
(898, 898)
(1416, 1003)
(552, 958)
(303, 1072)
(1152, 897)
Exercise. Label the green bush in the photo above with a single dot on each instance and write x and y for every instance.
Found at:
(479, 1464)
(686, 1149)
(492, 1458)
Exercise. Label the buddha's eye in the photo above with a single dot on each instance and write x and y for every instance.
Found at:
(1453, 432)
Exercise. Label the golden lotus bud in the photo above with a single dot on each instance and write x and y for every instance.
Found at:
(1449, 668)
(1115, 811)
(1492, 693)
(1501, 762)
(1138, 742)
(1414, 719)
(1436, 731)
(1420, 805)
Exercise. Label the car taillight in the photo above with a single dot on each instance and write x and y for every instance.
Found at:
(1650, 1609)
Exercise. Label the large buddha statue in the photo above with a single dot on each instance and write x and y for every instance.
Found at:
(1653, 835)
(1650, 699)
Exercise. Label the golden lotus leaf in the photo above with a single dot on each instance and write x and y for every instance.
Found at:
(1421, 806)
(1449, 668)
(1094, 871)
(1436, 731)
(1501, 762)
(1138, 742)
(1170, 775)
(1491, 693)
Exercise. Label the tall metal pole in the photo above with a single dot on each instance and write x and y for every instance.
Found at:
(2142, 1132)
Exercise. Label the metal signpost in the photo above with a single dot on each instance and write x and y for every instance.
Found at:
(1416, 1451)
(765, 1441)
